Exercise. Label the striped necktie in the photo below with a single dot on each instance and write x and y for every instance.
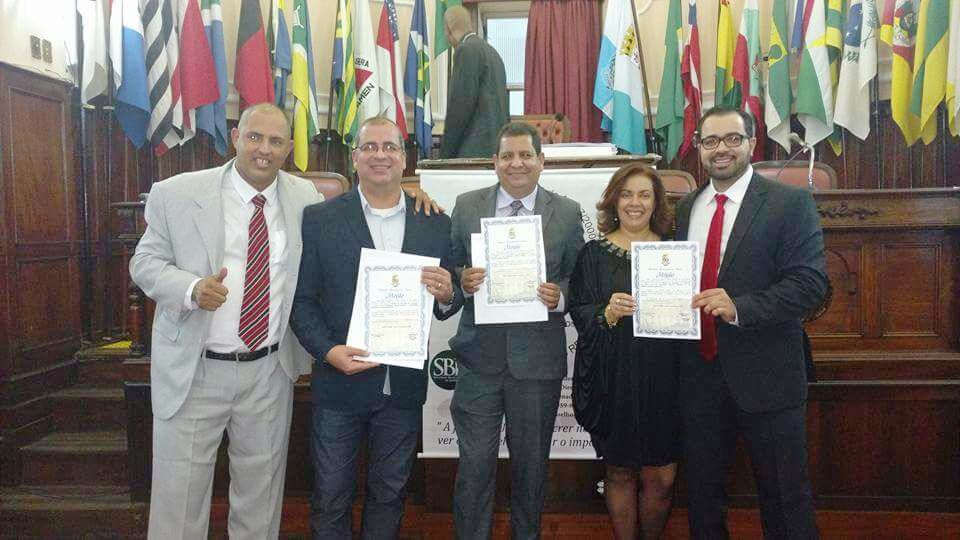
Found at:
(255, 310)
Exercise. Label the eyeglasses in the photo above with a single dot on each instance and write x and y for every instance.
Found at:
(387, 147)
(731, 140)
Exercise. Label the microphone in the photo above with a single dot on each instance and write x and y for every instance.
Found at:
(795, 139)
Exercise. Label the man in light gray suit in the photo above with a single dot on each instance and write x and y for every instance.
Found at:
(220, 257)
(510, 370)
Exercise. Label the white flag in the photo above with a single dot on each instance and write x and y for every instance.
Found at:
(365, 59)
(94, 20)
(859, 67)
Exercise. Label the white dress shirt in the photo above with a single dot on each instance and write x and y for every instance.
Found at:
(504, 200)
(387, 227)
(701, 214)
(236, 197)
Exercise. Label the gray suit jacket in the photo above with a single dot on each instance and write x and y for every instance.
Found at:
(477, 101)
(535, 350)
(184, 240)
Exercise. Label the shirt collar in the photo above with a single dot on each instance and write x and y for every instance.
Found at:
(247, 192)
(735, 192)
(504, 199)
(382, 212)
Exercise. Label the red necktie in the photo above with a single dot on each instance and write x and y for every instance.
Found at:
(255, 310)
(708, 278)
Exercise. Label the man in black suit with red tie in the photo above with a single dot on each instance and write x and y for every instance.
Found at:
(763, 270)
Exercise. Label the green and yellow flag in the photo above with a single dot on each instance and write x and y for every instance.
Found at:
(302, 78)
(440, 36)
(835, 18)
(930, 65)
(344, 73)
(671, 102)
(725, 92)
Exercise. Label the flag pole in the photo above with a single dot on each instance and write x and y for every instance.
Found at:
(328, 139)
(649, 132)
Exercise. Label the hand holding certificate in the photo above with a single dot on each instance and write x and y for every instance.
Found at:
(664, 277)
(392, 309)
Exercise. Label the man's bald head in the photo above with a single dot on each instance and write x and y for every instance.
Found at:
(457, 23)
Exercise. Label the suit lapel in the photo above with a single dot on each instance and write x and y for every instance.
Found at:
(412, 229)
(543, 206)
(753, 201)
(288, 205)
(208, 215)
(684, 207)
(488, 203)
(356, 221)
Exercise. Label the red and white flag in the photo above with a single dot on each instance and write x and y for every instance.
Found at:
(690, 75)
(388, 58)
(198, 72)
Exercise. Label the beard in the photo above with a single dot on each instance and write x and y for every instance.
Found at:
(732, 172)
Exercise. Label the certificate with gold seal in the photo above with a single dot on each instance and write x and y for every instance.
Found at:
(664, 278)
(515, 262)
(392, 309)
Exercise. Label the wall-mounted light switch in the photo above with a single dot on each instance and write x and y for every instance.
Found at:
(35, 47)
(47, 51)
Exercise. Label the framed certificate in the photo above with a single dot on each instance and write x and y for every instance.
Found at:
(392, 309)
(664, 278)
(515, 262)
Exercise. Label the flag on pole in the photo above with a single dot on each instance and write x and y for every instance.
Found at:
(212, 118)
(746, 71)
(930, 65)
(725, 91)
(344, 73)
(198, 81)
(690, 74)
(252, 68)
(278, 39)
(416, 78)
(953, 71)
(440, 44)
(94, 19)
(388, 58)
(834, 35)
(368, 73)
(779, 96)
(814, 89)
(670, 102)
(800, 17)
(859, 67)
(132, 103)
(900, 27)
(618, 90)
(305, 120)
(162, 55)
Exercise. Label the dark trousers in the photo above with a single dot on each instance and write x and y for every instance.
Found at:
(776, 442)
(336, 437)
(480, 403)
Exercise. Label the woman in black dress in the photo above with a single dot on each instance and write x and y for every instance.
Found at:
(625, 388)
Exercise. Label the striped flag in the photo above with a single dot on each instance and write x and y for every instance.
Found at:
(725, 92)
(198, 81)
(94, 20)
(834, 38)
(859, 67)
(388, 58)
(416, 78)
(814, 90)
(344, 73)
(252, 69)
(278, 39)
(800, 17)
(690, 74)
(670, 103)
(900, 32)
(132, 103)
(212, 118)
(439, 33)
(953, 70)
(166, 112)
(618, 90)
(302, 80)
(930, 65)
(779, 96)
(746, 71)
(368, 72)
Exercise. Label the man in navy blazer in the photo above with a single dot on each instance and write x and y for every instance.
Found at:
(352, 397)
(751, 380)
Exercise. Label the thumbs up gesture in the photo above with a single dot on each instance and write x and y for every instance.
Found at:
(209, 293)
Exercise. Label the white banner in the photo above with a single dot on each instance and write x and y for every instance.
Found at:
(570, 441)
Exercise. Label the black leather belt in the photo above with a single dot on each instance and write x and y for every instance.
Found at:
(243, 356)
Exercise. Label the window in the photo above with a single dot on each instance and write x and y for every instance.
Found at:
(507, 33)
